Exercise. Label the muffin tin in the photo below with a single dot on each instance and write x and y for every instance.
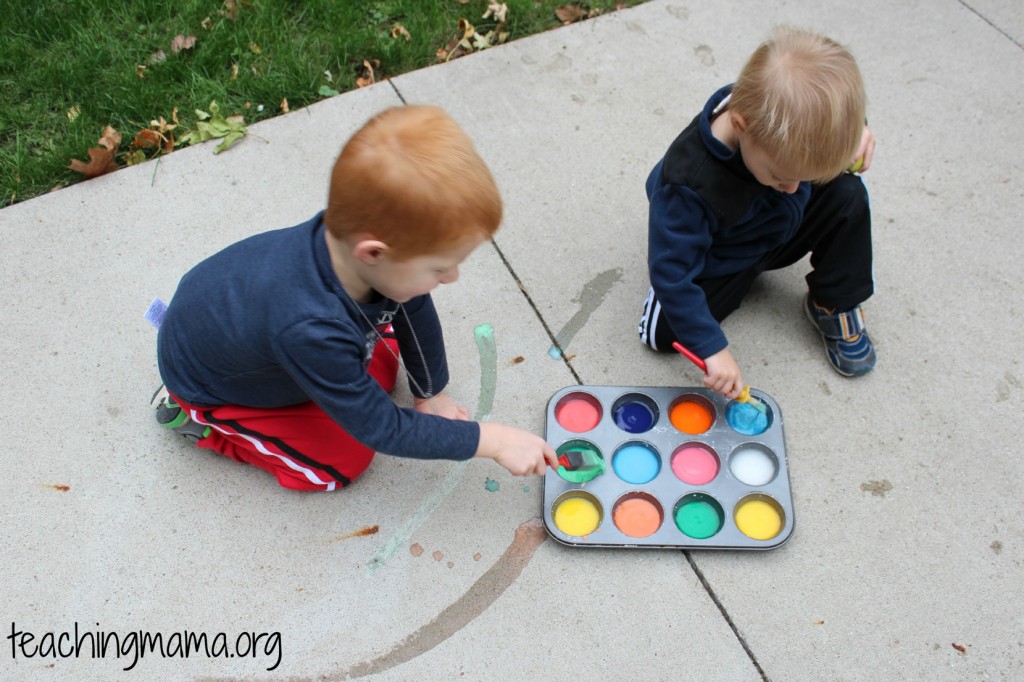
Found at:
(682, 468)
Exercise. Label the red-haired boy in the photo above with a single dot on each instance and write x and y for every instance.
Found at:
(281, 349)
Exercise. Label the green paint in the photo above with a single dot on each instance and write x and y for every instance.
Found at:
(526, 488)
(590, 299)
(491, 485)
(484, 335)
(593, 463)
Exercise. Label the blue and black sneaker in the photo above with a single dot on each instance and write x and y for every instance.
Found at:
(170, 415)
(847, 344)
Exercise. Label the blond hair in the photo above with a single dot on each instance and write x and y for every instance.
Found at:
(802, 97)
(412, 178)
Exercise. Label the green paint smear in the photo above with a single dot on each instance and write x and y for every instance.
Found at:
(484, 335)
(491, 485)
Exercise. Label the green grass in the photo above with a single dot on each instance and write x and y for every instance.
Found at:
(57, 56)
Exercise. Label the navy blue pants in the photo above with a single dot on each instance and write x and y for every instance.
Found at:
(836, 231)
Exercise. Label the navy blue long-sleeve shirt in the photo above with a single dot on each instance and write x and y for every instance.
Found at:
(266, 323)
(709, 217)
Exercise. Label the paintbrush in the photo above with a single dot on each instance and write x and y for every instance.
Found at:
(581, 460)
(743, 397)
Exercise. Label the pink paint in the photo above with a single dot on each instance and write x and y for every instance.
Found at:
(578, 412)
(695, 464)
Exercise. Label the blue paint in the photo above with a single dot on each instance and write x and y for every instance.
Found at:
(634, 417)
(746, 419)
(636, 463)
(491, 485)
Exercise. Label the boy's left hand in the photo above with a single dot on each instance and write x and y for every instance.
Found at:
(865, 151)
(442, 406)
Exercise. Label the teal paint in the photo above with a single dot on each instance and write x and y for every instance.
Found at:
(590, 299)
(492, 486)
(484, 335)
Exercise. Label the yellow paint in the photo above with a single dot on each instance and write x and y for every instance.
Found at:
(577, 517)
(759, 520)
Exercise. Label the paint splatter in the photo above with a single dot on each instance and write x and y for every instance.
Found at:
(438, 555)
(526, 488)
(590, 299)
(491, 485)
(59, 487)
(416, 549)
(518, 359)
(959, 647)
(876, 488)
(484, 592)
(361, 533)
(996, 546)
(451, 564)
(477, 557)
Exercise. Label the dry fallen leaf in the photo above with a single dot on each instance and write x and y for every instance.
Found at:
(364, 73)
(400, 31)
(284, 105)
(960, 647)
(497, 10)
(101, 162)
(182, 42)
(570, 13)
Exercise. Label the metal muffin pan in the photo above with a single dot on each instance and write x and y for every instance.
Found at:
(666, 489)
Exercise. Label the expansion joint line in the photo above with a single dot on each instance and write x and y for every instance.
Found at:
(725, 614)
(547, 329)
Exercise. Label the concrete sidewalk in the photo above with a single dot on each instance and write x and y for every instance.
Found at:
(906, 562)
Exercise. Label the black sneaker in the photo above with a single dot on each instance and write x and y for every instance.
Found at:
(847, 344)
(170, 415)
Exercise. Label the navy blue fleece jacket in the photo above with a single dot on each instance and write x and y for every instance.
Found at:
(709, 217)
(266, 323)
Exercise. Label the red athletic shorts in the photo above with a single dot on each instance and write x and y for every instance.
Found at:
(299, 444)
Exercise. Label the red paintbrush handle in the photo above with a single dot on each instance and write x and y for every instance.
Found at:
(689, 355)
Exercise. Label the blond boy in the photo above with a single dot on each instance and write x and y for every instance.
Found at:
(756, 182)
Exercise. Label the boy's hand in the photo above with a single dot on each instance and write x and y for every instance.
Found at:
(442, 406)
(723, 375)
(865, 152)
(521, 452)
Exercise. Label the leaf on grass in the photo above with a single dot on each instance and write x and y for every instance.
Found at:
(496, 10)
(74, 112)
(182, 42)
(231, 8)
(572, 12)
(214, 124)
(135, 158)
(327, 91)
(234, 72)
(157, 57)
(284, 105)
(207, 23)
(140, 70)
(147, 139)
(400, 31)
(101, 159)
(468, 40)
(255, 48)
(365, 73)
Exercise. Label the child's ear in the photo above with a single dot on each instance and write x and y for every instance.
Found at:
(739, 124)
(369, 251)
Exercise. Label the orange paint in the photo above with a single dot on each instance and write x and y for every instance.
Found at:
(637, 517)
(690, 417)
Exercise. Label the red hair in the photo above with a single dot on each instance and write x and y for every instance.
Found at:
(412, 178)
